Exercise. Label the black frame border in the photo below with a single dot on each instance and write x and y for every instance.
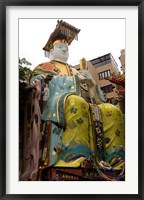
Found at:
(3, 5)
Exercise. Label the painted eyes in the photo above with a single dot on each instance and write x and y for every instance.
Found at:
(62, 47)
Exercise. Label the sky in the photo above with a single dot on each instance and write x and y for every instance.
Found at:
(96, 38)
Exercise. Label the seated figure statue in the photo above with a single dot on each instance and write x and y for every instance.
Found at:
(79, 125)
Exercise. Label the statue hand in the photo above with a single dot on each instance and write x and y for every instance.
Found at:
(86, 77)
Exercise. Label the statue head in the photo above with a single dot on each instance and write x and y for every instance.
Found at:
(56, 47)
(60, 51)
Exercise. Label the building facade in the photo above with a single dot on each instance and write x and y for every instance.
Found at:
(122, 60)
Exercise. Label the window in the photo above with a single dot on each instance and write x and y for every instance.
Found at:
(100, 61)
(104, 74)
(107, 89)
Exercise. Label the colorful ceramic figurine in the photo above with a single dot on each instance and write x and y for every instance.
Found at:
(77, 125)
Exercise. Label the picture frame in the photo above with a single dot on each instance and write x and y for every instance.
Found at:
(4, 90)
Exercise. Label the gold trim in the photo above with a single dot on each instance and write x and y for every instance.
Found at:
(59, 41)
(58, 65)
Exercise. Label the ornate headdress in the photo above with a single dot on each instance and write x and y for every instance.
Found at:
(63, 32)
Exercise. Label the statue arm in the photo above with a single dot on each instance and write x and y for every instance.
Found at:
(93, 89)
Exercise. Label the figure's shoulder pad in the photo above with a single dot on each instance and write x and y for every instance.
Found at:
(46, 65)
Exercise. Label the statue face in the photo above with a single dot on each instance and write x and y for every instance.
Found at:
(59, 52)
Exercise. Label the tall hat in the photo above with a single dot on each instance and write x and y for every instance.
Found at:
(63, 32)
